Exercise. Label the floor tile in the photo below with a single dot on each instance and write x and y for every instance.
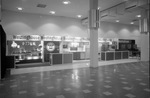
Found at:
(148, 90)
(89, 85)
(143, 84)
(130, 95)
(67, 89)
(107, 86)
(86, 91)
(60, 96)
(124, 82)
(107, 93)
(40, 94)
(109, 81)
(22, 92)
(127, 88)
(51, 87)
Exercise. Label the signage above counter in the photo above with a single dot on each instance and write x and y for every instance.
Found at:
(49, 38)
(26, 37)
(60, 38)
(52, 38)
(107, 39)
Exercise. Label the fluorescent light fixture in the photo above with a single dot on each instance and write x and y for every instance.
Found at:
(66, 2)
(117, 20)
(138, 16)
(79, 16)
(19, 8)
(52, 12)
(132, 23)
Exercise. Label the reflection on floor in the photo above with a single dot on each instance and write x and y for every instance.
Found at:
(126, 80)
(76, 64)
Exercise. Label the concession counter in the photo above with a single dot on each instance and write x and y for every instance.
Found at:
(60, 58)
(114, 55)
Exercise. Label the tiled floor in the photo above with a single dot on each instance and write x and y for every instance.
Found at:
(130, 80)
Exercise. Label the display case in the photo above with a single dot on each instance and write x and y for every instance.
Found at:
(25, 51)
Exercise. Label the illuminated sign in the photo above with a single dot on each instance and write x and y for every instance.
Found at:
(34, 37)
(52, 38)
(57, 38)
(50, 46)
(47, 37)
(26, 37)
(77, 39)
(19, 37)
(68, 38)
(85, 39)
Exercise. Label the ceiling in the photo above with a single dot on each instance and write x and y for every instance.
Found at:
(76, 7)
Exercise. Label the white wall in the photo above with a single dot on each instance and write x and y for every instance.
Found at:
(117, 30)
(26, 24)
(22, 23)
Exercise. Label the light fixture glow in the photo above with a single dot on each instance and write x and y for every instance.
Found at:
(52, 12)
(132, 23)
(66, 2)
(79, 16)
(19, 8)
(99, 8)
(29, 58)
(117, 20)
(138, 16)
(35, 57)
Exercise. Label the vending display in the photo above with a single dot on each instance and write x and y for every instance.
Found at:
(126, 44)
(36, 48)
(107, 44)
(50, 47)
(25, 51)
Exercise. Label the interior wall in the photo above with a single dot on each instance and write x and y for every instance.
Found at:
(26, 24)
(16, 23)
(121, 31)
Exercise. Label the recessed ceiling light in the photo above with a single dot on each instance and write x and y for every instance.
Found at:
(79, 16)
(117, 20)
(132, 23)
(19, 8)
(66, 2)
(138, 16)
(52, 12)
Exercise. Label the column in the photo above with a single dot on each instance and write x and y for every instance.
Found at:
(93, 26)
(144, 30)
(0, 40)
(0, 56)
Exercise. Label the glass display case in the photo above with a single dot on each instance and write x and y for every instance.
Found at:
(25, 51)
